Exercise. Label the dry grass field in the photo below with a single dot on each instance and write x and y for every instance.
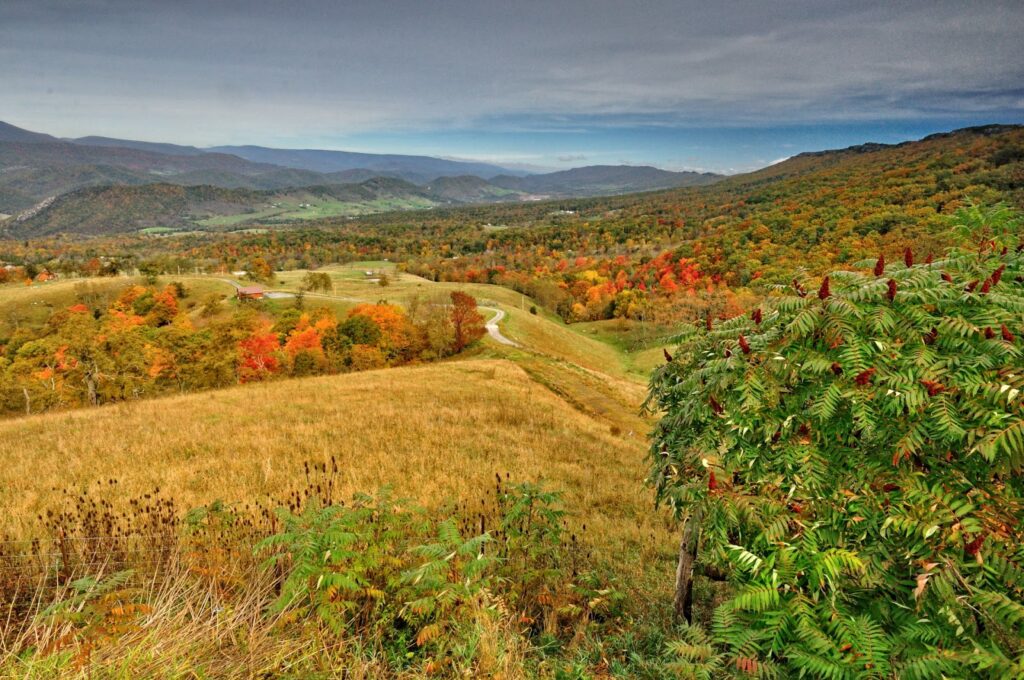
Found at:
(435, 433)
(545, 410)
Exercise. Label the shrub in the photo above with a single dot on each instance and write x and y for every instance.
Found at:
(852, 461)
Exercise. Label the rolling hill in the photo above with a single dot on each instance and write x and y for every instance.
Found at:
(815, 211)
(599, 180)
(125, 208)
(468, 189)
(10, 133)
(35, 166)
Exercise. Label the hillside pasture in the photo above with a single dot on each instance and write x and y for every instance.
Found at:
(436, 434)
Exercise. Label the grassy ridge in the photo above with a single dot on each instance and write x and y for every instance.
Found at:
(251, 441)
(436, 434)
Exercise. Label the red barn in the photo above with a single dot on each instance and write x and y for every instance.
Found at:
(249, 293)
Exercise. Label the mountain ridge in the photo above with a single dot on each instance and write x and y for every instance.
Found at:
(599, 179)
(36, 166)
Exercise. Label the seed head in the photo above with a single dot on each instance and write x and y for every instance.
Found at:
(864, 377)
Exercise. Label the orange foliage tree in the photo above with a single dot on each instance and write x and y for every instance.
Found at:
(398, 336)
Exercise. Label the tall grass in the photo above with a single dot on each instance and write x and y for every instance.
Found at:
(198, 599)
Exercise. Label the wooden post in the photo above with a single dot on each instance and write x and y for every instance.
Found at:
(683, 602)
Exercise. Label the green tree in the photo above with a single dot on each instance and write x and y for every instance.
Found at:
(317, 281)
(852, 462)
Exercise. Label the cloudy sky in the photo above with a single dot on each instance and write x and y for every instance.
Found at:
(725, 86)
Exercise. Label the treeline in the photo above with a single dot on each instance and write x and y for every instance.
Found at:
(151, 340)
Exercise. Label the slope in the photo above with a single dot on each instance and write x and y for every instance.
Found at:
(123, 208)
(230, 444)
(816, 211)
(468, 189)
(10, 133)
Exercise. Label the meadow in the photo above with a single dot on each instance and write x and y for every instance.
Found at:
(313, 208)
(556, 411)
(251, 442)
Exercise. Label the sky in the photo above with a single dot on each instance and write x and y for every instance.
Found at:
(723, 86)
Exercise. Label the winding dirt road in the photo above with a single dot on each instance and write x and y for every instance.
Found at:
(492, 326)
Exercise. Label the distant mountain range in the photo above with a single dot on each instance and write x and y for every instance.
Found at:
(600, 180)
(37, 168)
(141, 188)
(417, 169)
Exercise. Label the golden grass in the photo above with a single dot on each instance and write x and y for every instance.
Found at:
(557, 340)
(435, 433)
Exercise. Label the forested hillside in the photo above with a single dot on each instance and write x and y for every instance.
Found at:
(813, 211)
(119, 208)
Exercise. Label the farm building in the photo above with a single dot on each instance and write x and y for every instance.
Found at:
(249, 293)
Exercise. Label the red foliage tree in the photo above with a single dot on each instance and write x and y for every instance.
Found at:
(468, 322)
(259, 355)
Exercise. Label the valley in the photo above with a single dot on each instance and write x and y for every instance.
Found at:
(105, 185)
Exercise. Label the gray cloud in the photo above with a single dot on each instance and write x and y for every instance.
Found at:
(207, 72)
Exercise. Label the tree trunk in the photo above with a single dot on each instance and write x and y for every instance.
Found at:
(683, 602)
(90, 385)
